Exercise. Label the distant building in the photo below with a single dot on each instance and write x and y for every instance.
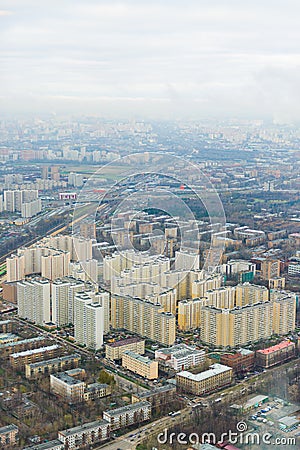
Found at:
(277, 283)
(204, 382)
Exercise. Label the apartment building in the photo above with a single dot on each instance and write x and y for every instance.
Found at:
(8, 337)
(210, 282)
(6, 326)
(284, 314)
(49, 366)
(56, 444)
(140, 365)
(85, 434)
(249, 294)
(115, 349)
(189, 313)
(31, 209)
(143, 318)
(80, 249)
(14, 199)
(216, 377)
(38, 259)
(18, 360)
(95, 391)
(160, 396)
(180, 357)
(67, 387)
(238, 326)
(89, 320)
(277, 354)
(63, 292)
(18, 346)
(223, 297)
(34, 300)
(277, 283)
(128, 415)
(9, 436)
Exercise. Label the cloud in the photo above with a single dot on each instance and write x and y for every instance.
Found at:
(135, 53)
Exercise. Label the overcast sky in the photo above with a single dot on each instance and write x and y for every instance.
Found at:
(151, 58)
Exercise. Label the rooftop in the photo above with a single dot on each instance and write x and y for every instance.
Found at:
(277, 347)
(82, 428)
(22, 342)
(45, 445)
(127, 341)
(215, 369)
(124, 409)
(142, 359)
(8, 428)
(65, 378)
(152, 392)
(53, 361)
(35, 350)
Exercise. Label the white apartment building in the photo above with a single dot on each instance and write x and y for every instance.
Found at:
(88, 320)
(127, 415)
(88, 433)
(34, 300)
(63, 293)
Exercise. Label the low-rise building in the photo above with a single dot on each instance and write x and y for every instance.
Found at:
(70, 386)
(181, 356)
(204, 382)
(8, 337)
(254, 402)
(18, 346)
(114, 350)
(50, 445)
(276, 354)
(29, 356)
(96, 390)
(88, 433)
(128, 415)
(6, 326)
(159, 396)
(67, 387)
(52, 365)
(9, 436)
(140, 365)
(242, 361)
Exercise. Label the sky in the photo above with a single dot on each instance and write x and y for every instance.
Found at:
(158, 59)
